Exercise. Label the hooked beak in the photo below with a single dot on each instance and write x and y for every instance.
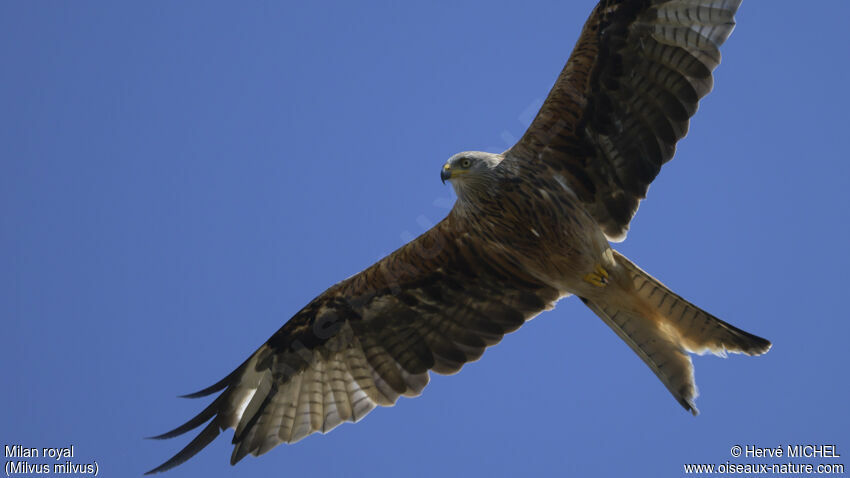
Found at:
(446, 173)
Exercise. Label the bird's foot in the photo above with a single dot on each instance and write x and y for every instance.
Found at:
(599, 276)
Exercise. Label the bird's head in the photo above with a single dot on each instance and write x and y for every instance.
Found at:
(470, 170)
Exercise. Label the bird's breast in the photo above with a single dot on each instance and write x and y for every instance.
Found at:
(546, 230)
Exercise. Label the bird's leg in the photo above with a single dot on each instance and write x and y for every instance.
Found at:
(599, 276)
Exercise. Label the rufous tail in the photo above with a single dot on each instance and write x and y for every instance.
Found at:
(662, 327)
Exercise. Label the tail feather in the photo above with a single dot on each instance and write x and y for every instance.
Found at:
(662, 327)
(699, 331)
(657, 349)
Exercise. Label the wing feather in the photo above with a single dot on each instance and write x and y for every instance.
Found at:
(624, 99)
(433, 305)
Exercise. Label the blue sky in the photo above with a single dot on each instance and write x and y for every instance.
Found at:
(178, 179)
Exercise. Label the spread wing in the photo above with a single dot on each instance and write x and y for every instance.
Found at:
(624, 99)
(434, 304)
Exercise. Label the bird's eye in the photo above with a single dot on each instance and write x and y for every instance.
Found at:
(466, 163)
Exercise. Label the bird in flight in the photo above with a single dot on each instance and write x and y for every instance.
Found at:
(530, 226)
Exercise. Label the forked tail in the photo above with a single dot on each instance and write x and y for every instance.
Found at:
(661, 327)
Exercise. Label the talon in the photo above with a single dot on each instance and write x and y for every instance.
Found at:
(599, 278)
(601, 271)
(594, 279)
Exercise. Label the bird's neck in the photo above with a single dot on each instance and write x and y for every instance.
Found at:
(476, 196)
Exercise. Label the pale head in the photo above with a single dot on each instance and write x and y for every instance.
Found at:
(471, 171)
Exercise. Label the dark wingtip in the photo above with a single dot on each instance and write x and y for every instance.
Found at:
(203, 439)
(240, 451)
(195, 422)
(220, 385)
(209, 433)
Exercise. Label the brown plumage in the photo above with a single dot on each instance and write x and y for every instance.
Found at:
(530, 226)
(624, 99)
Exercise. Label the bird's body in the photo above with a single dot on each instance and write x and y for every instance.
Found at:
(530, 226)
(536, 219)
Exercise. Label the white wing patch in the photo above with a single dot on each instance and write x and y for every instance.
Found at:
(328, 392)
